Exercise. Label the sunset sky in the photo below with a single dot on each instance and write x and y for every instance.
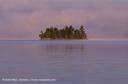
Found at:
(103, 19)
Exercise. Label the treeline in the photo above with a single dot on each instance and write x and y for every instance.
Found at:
(68, 32)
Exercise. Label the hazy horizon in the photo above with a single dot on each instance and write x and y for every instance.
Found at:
(23, 19)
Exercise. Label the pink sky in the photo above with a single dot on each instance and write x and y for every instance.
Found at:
(23, 19)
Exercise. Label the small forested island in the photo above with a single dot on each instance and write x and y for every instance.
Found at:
(68, 32)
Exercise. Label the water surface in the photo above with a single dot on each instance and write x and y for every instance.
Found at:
(67, 61)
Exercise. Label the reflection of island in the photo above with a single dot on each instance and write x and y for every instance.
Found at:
(69, 32)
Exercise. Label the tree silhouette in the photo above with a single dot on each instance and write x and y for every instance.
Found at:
(41, 35)
(68, 32)
(83, 34)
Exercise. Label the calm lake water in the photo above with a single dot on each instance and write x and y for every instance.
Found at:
(67, 61)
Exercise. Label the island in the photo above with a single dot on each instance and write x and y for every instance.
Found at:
(68, 32)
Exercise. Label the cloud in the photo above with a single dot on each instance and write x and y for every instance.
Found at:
(23, 19)
(110, 23)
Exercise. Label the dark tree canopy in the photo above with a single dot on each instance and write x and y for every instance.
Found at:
(68, 32)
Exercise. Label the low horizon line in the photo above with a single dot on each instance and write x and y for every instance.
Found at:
(96, 39)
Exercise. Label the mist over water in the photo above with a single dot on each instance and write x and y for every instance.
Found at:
(67, 61)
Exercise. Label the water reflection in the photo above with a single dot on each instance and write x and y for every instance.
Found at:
(64, 48)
